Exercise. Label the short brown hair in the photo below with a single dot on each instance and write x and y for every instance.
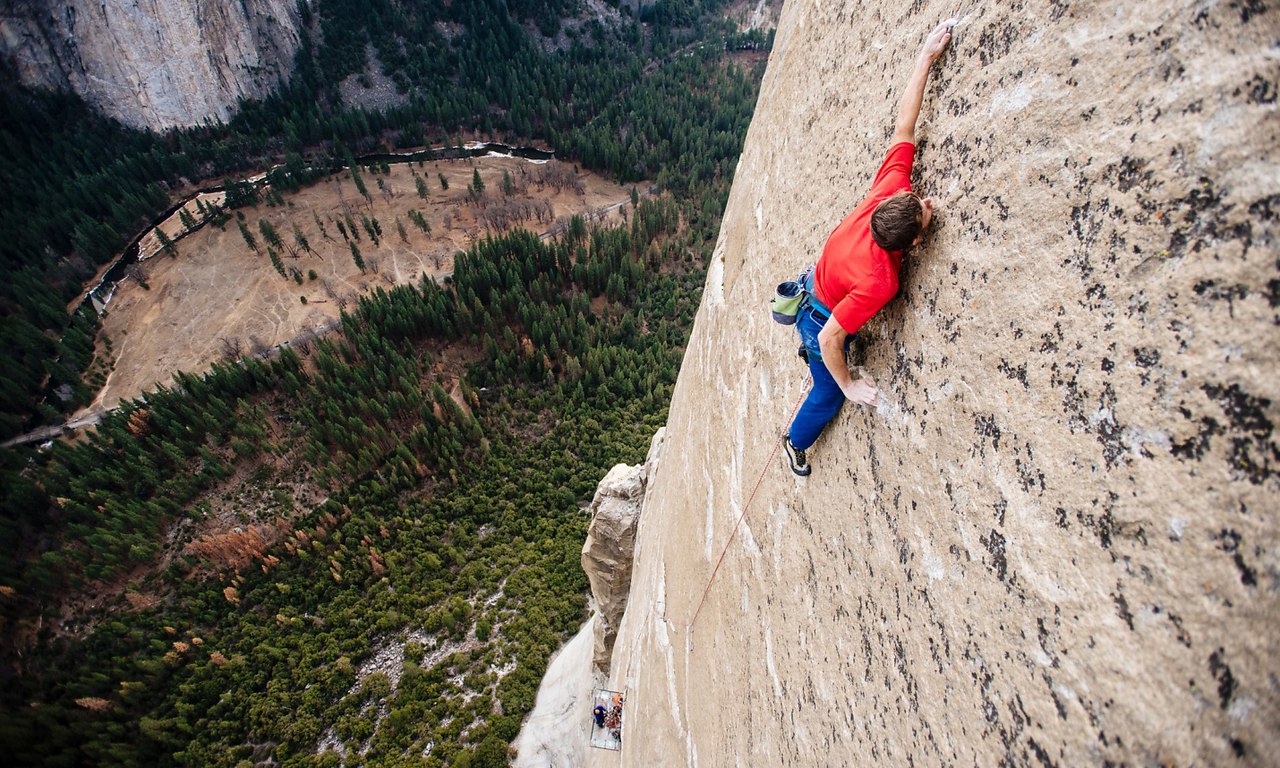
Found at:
(895, 222)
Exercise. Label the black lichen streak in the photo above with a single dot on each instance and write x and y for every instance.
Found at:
(1229, 542)
(1195, 446)
(995, 41)
(1253, 452)
(994, 542)
(1180, 630)
(1216, 291)
(1261, 90)
(1029, 476)
(1248, 9)
(1146, 357)
(1107, 428)
(1131, 172)
(1122, 607)
(1102, 524)
(1041, 755)
(985, 426)
(1087, 221)
(1018, 373)
(1222, 673)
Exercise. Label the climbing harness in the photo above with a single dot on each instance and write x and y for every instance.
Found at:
(820, 311)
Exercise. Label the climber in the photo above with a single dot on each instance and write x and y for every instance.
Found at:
(857, 273)
(599, 713)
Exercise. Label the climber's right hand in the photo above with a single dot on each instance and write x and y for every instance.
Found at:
(861, 391)
(937, 40)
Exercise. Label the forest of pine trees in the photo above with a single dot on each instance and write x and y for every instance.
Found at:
(199, 580)
(364, 419)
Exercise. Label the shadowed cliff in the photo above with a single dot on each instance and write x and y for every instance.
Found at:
(153, 63)
(1054, 542)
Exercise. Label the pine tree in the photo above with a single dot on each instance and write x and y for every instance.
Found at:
(360, 187)
(248, 237)
(275, 261)
(166, 243)
(372, 227)
(269, 234)
(419, 220)
(320, 225)
(239, 193)
(355, 256)
(301, 239)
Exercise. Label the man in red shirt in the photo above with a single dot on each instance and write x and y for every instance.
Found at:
(858, 271)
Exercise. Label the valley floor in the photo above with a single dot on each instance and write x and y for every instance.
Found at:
(218, 299)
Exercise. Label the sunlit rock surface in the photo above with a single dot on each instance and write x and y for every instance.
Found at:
(153, 63)
(557, 731)
(1054, 543)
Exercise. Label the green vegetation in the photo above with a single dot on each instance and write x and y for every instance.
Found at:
(235, 552)
(439, 520)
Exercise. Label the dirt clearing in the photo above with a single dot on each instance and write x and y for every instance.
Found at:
(219, 299)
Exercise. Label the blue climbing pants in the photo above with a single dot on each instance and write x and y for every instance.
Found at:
(825, 399)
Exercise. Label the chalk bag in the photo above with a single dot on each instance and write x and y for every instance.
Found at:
(786, 302)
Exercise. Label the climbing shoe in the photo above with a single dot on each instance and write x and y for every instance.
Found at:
(797, 458)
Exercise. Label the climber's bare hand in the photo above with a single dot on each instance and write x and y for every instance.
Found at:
(862, 391)
(937, 40)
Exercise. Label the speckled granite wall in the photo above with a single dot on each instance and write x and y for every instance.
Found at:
(153, 63)
(1055, 542)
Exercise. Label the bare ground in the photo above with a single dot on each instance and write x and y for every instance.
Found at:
(218, 298)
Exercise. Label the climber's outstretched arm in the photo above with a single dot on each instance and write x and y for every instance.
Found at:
(909, 108)
(831, 342)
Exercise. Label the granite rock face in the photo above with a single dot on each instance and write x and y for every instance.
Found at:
(153, 63)
(608, 552)
(1055, 541)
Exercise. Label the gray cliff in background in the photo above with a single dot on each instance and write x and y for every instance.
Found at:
(153, 63)
(1055, 542)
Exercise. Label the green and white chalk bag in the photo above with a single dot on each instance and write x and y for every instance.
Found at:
(786, 302)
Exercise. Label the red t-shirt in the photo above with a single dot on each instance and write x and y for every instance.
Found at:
(855, 277)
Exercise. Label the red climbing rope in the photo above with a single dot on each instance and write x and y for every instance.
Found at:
(747, 506)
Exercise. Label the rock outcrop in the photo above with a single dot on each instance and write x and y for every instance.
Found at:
(608, 552)
(153, 63)
(552, 734)
(1054, 542)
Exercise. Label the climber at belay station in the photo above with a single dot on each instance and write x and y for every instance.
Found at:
(606, 726)
(857, 273)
